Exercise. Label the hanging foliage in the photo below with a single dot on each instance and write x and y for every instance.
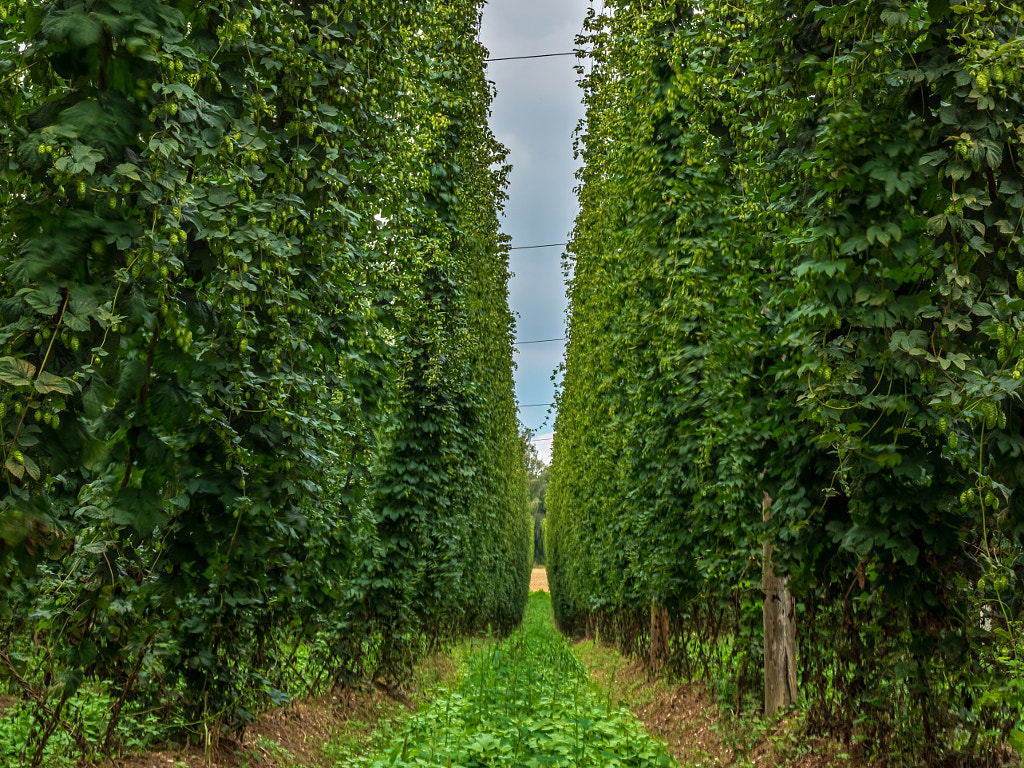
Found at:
(249, 259)
(794, 278)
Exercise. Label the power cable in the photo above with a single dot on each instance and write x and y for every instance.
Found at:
(539, 341)
(530, 247)
(537, 405)
(536, 56)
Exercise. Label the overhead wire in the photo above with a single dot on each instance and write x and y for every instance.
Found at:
(546, 245)
(535, 56)
(539, 341)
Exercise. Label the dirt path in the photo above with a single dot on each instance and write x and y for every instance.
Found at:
(539, 579)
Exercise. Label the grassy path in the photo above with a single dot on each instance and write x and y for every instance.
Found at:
(527, 702)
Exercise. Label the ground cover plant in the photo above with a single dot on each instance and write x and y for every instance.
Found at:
(525, 702)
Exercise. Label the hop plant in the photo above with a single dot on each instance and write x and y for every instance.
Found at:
(990, 412)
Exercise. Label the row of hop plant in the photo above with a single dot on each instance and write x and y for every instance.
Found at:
(796, 314)
(256, 414)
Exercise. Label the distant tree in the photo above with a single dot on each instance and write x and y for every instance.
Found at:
(534, 464)
(537, 471)
(538, 491)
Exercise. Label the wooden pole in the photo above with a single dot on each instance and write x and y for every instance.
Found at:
(779, 633)
(659, 636)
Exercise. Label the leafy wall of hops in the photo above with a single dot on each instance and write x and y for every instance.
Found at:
(795, 284)
(243, 247)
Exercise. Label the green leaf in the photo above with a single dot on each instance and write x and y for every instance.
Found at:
(855, 244)
(895, 18)
(96, 396)
(75, 322)
(73, 678)
(129, 171)
(33, 20)
(1016, 738)
(107, 123)
(958, 359)
(73, 25)
(141, 508)
(876, 234)
(15, 468)
(45, 301)
(914, 342)
(82, 159)
(47, 382)
(17, 373)
(164, 146)
(909, 552)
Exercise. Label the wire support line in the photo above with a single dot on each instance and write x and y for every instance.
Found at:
(538, 56)
(537, 405)
(539, 341)
(531, 247)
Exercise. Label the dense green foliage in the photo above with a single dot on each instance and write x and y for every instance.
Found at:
(539, 512)
(538, 474)
(798, 272)
(258, 428)
(526, 702)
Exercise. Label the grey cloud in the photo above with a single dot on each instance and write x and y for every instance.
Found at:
(535, 113)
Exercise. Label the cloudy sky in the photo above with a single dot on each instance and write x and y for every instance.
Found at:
(535, 113)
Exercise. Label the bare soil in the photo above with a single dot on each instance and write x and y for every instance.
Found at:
(682, 716)
(692, 726)
(281, 737)
(6, 702)
(539, 579)
(298, 734)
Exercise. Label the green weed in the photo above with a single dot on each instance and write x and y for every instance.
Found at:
(526, 702)
(80, 732)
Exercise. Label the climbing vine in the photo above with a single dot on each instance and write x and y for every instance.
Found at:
(250, 263)
(803, 299)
